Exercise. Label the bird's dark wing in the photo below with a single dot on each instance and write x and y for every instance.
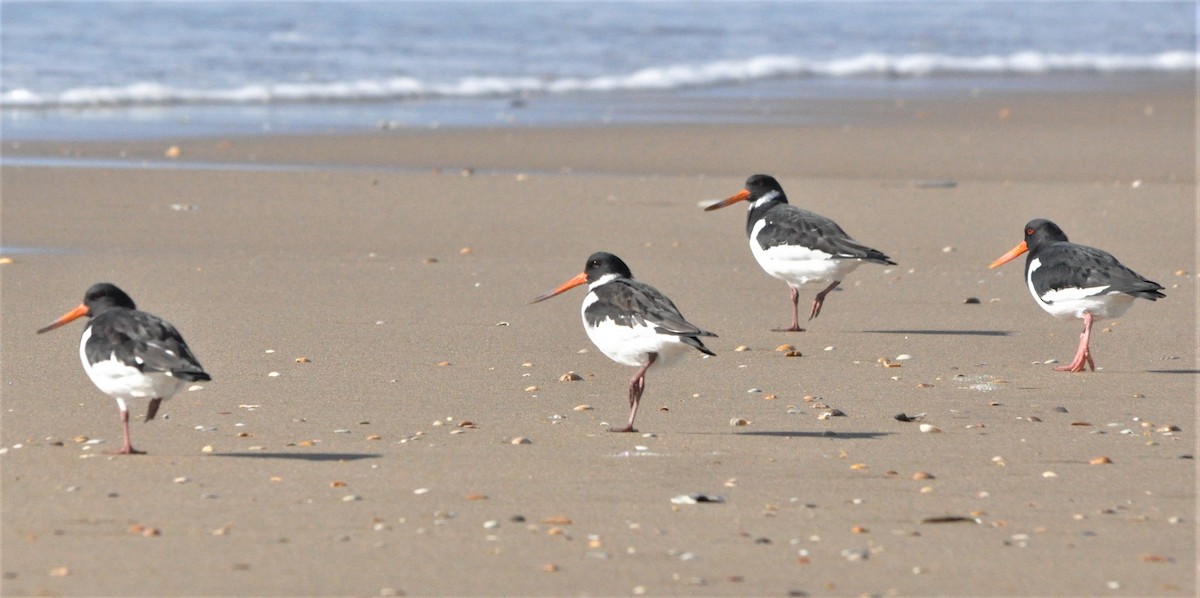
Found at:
(144, 341)
(1067, 265)
(630, 302)
(789, 225)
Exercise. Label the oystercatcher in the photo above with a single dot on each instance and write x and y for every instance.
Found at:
(130, 354)
(797, 246)
(631, 322)
(1077, 281)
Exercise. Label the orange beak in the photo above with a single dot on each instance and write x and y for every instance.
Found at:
(742, 195)
(1012, 253)
(579, 279)
(66, 318)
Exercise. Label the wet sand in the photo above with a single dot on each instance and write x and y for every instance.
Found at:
(400, 264)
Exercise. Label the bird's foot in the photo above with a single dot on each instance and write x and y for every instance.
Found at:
(792, 328)
(620, 430)
(126, 450)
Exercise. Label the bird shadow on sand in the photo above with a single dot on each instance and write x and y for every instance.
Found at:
(304, 456)
(944, 332)
(800, 434)
(1192, 372)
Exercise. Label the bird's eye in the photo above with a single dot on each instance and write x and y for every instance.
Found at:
(1029, 231)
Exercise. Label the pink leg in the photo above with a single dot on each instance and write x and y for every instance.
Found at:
(795, 327)
(127, 448)
(816, 306)
(1083, 355)
(636, 386)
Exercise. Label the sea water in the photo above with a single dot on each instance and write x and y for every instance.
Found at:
(102, 69)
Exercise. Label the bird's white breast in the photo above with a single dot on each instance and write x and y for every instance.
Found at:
(1072, 302)
(630, 345)
(796, 264)
(124, 382)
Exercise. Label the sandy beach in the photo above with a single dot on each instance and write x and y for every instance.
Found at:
(400, 264)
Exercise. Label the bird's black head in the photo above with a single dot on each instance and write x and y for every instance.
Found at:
(1042, 232)
(98, 299)
(102, 296)
(1038, 233)
(760, 185)
(600, 264)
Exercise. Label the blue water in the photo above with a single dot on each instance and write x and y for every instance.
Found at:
(142, 68)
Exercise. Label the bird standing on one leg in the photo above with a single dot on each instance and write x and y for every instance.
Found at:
(130, 354)
(631, 322)
(798, 246)
(1077, 281)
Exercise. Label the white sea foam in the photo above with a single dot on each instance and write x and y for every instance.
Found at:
(718, 73)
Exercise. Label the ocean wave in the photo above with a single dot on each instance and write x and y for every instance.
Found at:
(656, 78)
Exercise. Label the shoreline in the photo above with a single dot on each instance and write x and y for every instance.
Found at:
(784, 102)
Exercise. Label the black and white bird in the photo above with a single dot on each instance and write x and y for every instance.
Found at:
(631, 322)
(1077, 281)
(798, 246)
(129, 354)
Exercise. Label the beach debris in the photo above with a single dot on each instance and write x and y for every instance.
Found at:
(1102, 460)
(570, 377)
(5, 260)
(1049, 474)
(858, 529)
(793, 354)
(934, 184)
(950, 519)
(924, 385)
(138, 529)
(785, 348)
(971, 301)
(531, 389)
(173, 152)
(60, 571)
(922, 475)
(856, 554)
(754, 390)
(303, 360)
(557, 520)
(737, 422)
(520, 440)
(697, 498)
(584, 407)
(741, 348)
(831, 413)
(273, 374)
(929, 429)
(887, 363)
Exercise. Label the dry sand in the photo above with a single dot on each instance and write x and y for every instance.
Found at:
(355, 474)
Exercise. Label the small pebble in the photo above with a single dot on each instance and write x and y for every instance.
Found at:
(930, 429)
(520, 440)
(737, 421)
